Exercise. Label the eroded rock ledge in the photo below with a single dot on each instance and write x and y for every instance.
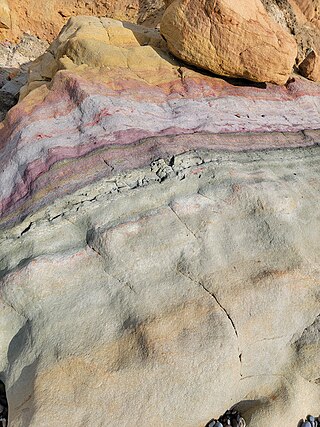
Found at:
(95, 96)
(159, 240)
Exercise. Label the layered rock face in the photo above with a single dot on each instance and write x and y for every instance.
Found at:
(159, 240)
(235, 39)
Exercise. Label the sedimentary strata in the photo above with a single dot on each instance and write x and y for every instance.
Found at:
(159, 240)
(82, 125)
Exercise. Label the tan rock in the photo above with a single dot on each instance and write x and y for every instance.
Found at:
(5, 17)
(310, 67)
(235, 39)
(107, 43)
(299, 21)
(311, 10)
(45, 18)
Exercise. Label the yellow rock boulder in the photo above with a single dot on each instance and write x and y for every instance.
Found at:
(5, 18)
(235, 39)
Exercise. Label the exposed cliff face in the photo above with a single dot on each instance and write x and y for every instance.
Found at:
(45, 18)
(159, 240)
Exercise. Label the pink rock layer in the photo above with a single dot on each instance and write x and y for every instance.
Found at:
(85, 129)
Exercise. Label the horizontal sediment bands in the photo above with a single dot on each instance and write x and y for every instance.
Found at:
(66, 172)
(87, 127)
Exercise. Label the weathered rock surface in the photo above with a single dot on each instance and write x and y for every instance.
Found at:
(44, 18)
(159, 240)
(235, 39)
(310, 8)
(310, 66)
(298, 18)
(5, 15)
(99, 106)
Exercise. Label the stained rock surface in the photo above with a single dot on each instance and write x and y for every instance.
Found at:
(235, 39)
(159, 240)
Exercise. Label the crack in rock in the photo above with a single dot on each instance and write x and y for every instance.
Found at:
(212, 295)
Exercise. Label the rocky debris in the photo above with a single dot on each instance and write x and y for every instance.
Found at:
(229, 418)
(16, 54)
(310, 66)
(310, 421)
(15, 60)
(235, 39)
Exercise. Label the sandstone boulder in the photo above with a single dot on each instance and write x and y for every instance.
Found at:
(5, 15)
(235, 39)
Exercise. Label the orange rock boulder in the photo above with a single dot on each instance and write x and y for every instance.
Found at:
(235, 39)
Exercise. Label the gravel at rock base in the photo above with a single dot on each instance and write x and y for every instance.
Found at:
(14, 64)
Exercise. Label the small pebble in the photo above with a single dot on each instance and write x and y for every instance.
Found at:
(306, 424)
(234, 423)
(211, 423)
(218, 424)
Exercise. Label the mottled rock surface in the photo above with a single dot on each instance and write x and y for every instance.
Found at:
(235, 39)
(159, 243)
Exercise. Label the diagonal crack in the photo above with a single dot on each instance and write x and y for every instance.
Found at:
(182, 222)
(212, 295)
(222, 308)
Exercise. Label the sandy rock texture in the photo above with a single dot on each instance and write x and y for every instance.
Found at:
(235, 39)
(44, 18)
(159, 240)
(168, 303)
(5, 15)
(310, 8)
(300, 19)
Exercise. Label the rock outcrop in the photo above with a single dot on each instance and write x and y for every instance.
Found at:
(98, 74)
(235, 39)
(159, 240)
